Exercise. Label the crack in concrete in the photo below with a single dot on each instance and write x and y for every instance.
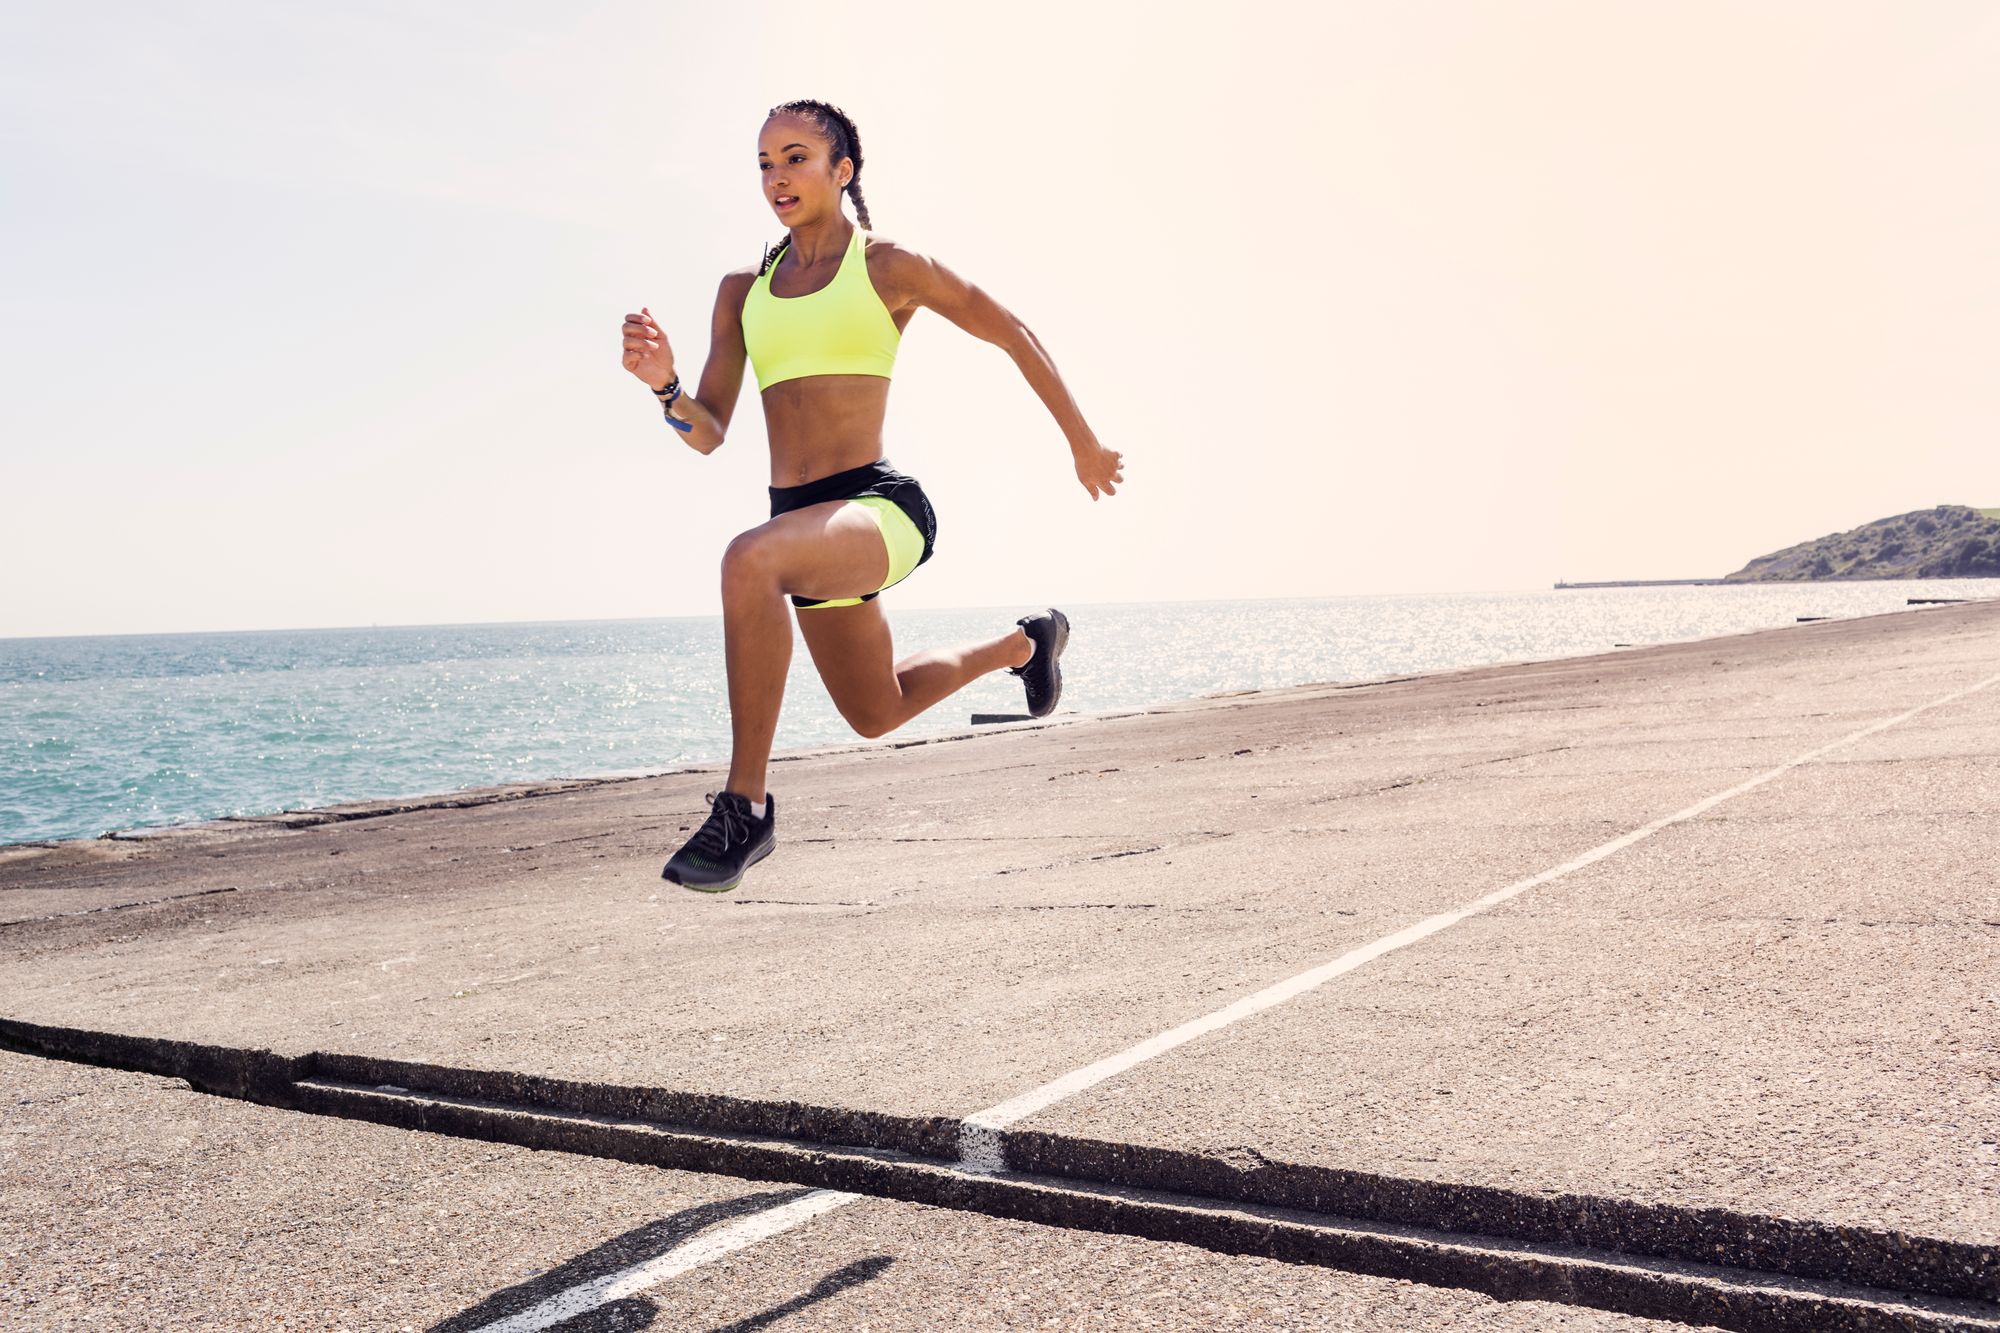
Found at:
(1193, 839)
(1510, 758)
(342, 814)
(1101, 856)
(1076, 907)
(964, 837)
(797, 902)
(1692, 1265)
(1397, 785)
(117, 907)
(580, 837)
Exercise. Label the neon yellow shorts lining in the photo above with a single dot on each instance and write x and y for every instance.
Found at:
(899, 534)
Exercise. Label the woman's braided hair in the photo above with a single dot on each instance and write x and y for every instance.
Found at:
(837, 128)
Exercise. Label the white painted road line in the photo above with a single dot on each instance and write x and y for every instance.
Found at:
(979, 1143)
(693, 1253)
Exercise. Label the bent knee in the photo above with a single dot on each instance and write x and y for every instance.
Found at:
(870, 724)
(750, 558)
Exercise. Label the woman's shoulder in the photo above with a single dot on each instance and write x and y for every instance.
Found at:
(894, 251)
(737, 282)
(895, 260)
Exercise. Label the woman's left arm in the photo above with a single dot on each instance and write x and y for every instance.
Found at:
(925, 282)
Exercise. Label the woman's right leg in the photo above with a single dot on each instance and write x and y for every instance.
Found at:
(825, 550)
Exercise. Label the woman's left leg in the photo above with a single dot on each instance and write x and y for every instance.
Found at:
(875, 692)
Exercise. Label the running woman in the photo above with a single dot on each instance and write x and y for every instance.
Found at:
(819, 322)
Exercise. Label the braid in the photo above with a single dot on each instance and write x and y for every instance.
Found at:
(838, 129)
(853, 151)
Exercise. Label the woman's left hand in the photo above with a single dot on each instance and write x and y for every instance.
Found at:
(1097, 468)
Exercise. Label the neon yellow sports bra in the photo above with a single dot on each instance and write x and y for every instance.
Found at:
(841, 329)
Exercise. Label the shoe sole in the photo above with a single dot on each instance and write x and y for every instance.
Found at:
(755, 857)
(1055, 663)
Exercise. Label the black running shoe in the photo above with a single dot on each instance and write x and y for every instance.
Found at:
(1042, 677)
(733, 840)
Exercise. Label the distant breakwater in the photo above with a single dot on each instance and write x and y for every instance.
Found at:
(1644, 583)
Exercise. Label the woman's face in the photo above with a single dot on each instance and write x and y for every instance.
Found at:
(802, 182)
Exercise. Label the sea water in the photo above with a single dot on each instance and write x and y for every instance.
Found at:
(121, 731)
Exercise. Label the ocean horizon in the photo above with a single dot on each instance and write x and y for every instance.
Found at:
(107, 732)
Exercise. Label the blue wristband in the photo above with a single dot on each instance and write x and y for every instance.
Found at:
(667, 397)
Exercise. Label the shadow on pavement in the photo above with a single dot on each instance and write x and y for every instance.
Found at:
(637, 1246)
(626, 1316)
(861, 1270)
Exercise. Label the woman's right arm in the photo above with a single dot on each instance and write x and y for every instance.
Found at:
(650, 356)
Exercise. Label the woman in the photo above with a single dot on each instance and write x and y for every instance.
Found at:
(819, 322)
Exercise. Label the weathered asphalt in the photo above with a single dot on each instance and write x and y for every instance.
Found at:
(1783, 1007)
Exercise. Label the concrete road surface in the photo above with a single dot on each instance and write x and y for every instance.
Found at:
(1661, 984)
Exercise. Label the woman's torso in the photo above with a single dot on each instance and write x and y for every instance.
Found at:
(823, 421)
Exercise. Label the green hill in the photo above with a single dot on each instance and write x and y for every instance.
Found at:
(1950, 541)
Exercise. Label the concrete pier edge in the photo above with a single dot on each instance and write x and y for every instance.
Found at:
(1709, 1266)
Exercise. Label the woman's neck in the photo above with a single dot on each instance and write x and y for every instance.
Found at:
(821, 240)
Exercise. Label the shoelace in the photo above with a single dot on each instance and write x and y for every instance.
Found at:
(725, 825)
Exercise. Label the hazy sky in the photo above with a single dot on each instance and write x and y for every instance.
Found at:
(311, 311)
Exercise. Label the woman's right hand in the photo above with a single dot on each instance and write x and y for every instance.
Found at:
(647, 352)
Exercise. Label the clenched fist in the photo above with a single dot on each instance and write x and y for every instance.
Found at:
(647, 352)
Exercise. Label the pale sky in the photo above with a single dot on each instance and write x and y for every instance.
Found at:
(311, 311)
